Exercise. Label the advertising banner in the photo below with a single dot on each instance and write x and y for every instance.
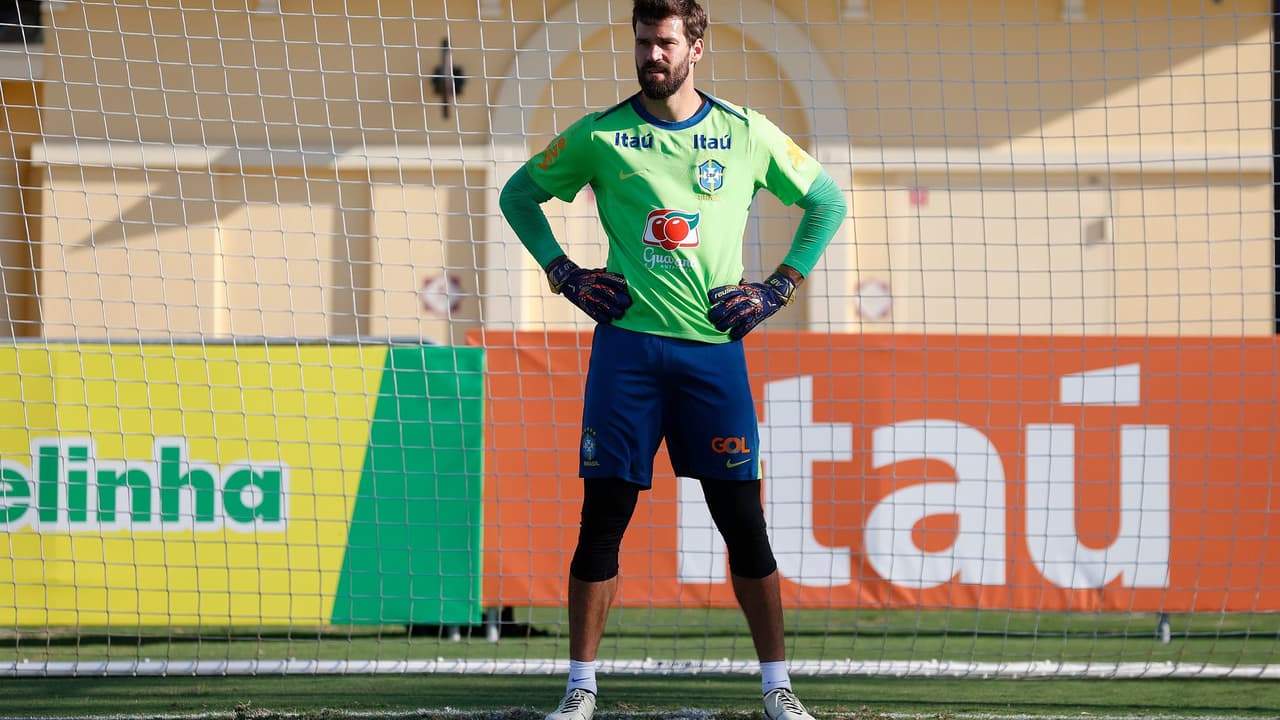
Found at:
(1040, 473)
(268, 484)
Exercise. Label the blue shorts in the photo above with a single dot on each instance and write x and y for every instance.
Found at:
(642, 389)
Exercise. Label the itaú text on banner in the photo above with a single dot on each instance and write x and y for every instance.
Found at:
(1004, 472)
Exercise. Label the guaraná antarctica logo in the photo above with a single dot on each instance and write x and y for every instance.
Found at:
(671, 229)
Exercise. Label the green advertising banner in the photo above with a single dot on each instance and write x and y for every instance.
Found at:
(269, 484)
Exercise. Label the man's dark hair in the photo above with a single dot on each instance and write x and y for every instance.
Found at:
(652, 12)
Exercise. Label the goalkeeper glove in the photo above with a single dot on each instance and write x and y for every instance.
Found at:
(601, 294)
(738, 309)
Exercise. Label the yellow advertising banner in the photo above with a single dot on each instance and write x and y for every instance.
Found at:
(216, 484)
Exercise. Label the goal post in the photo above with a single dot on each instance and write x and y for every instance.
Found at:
(282, 392)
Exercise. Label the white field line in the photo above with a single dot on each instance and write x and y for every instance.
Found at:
(686, 714)
(546, 666)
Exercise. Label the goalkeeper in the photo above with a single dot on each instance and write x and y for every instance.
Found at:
(674, 172)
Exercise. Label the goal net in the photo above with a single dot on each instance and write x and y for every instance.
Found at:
(281, 391)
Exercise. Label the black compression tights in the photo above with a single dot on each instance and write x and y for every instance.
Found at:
(735, 507)
(607, 506)
(609, 503)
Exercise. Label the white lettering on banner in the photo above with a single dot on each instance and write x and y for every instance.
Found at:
(976, 497)
(791, 442)
(1139, 554)
(702, 555)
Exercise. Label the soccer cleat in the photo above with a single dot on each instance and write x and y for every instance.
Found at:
(578, 704)
(782, 704)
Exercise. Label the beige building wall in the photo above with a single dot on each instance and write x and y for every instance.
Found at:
(256, 252)
(228, 173)
(1104, 124)
(19, 206)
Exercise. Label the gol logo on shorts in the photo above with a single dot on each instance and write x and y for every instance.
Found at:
(729, 445)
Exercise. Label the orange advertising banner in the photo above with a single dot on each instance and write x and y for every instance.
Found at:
(1047, 473)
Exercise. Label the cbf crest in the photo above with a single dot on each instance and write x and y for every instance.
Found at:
(711, 176)
(589, 448)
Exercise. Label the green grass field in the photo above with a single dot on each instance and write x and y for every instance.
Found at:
(1230, 641)
(698, 634)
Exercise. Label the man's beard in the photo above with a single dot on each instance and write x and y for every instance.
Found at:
(656, 89)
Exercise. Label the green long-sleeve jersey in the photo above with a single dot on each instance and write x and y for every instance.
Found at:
(674, 200)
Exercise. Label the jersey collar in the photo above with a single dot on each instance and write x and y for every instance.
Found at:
(694, 119)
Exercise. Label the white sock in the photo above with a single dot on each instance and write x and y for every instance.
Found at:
(773, 675)
(582, 675)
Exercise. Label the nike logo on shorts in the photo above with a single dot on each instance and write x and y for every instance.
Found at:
(736, 463)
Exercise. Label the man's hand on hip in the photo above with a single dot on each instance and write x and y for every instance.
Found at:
(738, 309)
(601, 294)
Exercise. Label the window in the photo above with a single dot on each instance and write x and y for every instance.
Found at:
(20, 21)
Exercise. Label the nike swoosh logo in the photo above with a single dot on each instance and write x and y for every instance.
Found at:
(736, 463)
(624, 175)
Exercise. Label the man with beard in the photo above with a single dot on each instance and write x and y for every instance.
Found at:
(674, 171)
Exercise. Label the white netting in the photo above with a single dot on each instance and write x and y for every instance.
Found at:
(286, 394)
